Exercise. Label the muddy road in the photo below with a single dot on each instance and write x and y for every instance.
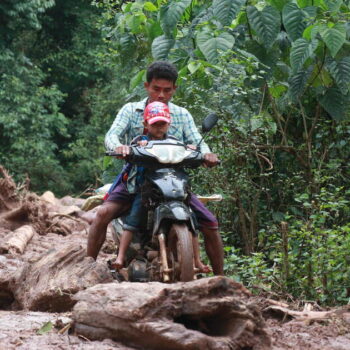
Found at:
(53, 297)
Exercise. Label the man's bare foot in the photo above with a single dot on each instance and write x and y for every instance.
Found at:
(202, 267)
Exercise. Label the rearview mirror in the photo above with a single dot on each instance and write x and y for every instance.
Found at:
(209, 122)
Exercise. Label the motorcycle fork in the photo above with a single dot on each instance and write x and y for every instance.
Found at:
(164, 258)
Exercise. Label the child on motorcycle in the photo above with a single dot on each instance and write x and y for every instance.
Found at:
(157, 121)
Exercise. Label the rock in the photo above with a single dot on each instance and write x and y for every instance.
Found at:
(50, 283)
(68, 210)
(69, 200)
(93, 202)
(211, 313)
(49, 197)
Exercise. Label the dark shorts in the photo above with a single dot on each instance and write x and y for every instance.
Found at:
(133, 219)
(204, 216)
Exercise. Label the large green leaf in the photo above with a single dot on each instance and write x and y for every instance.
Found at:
(171, 13)
(333, 5)
(137, 79)
(279, 4)
(301, 50)
(294, 20)
(148, 6)
(161, 47)
(297, 82)
(336, 104)
(334, 37)
(340, 71)
(212, 46)
(127, 42)
(310, 11)
(305, 3)
(226, 10)
(266, 23)
(153, 29)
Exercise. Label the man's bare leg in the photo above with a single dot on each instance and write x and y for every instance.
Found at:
(214, 249)
(123, 247)
(97, 233)
(197, 258)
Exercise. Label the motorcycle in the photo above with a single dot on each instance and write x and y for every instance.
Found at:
(163, 249)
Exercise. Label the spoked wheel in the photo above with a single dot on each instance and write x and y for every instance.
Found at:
(181, 250)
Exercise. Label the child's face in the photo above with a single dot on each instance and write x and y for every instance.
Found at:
(157, 130)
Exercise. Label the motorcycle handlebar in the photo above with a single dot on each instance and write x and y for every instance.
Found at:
(114, 154)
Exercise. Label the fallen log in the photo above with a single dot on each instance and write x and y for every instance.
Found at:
(19, 240)
(211, 313)
(50, 283)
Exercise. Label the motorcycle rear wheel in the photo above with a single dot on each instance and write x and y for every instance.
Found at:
(181, 248)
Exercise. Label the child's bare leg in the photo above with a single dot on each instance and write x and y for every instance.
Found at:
(124, 244)
(197, 258)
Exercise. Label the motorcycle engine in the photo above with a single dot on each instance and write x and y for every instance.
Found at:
(137, 271)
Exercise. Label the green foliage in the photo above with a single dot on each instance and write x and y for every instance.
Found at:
(50, 59)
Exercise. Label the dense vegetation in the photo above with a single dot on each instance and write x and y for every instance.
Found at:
(277, 72)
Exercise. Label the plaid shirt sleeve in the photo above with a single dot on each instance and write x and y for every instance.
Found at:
(119, 128)
(191, 134)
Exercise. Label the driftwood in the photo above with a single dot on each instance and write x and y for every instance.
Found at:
(19, 239)
(211, 313)
(307, 315)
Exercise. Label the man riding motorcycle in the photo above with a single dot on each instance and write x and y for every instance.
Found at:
(160, 86)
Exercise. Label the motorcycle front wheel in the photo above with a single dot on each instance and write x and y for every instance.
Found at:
(181, 248)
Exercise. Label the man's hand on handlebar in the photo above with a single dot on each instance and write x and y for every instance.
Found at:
(142, 143)
(210, 160)
(124, 150)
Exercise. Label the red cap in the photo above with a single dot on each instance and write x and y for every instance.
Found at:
(157, 111)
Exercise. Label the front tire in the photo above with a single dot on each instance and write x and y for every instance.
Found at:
(181, 248)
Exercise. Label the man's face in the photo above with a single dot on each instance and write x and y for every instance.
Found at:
(160, 90)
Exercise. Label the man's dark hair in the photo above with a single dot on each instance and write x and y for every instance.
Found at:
(161, 70)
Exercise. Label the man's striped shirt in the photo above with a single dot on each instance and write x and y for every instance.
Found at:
(129, 123)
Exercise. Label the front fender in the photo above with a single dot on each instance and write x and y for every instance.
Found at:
(176, 211)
